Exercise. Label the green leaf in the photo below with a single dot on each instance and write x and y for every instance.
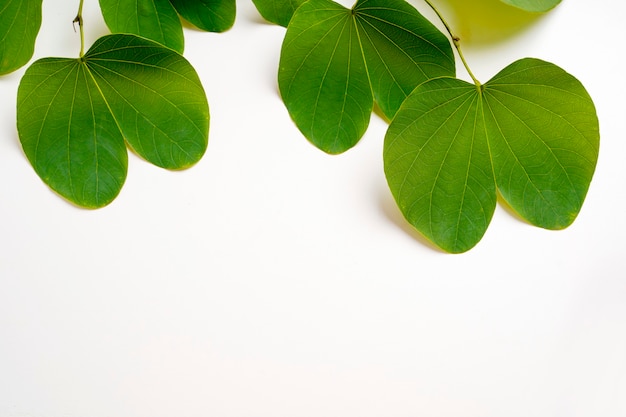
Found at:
(209, 15)
(335, 62)
(155, 96)
(152, 19)
(533, 5)
(68, 134)
(322, 76)
(20, 21)
(73, 116)
(544, 137)
(402, 49)
(531, 131)
(277, 11)
(438, 166)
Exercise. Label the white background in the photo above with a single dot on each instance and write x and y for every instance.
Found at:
(274, 280)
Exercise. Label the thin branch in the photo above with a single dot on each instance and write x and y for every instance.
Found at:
(456, 41)
(79, 19)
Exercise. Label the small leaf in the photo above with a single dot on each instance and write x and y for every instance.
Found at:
(20, 21)
(532, 129)
(335, 61)
(533, 5)
(277, 11)
(209, 15)
(73, 116)
(152, 19)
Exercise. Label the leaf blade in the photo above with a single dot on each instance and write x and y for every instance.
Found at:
(209, 15)
(322, 77)
(68, 135)
(20, 21)
(544, 133)
(277, 11)
(402, 49)
(438, 165)
(152, 19)
(156, 97)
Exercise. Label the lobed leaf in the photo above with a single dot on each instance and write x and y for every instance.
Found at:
(531, 131)
(74, 115)
(533, 5)
(152, 19)
(20, 21)
(335, 62)
(209, 15)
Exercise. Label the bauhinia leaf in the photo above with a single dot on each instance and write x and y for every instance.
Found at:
(277, 11)
(73, 116)
(532, 131)
(533, 5)
(209, 15)
(20, 21)
(152, 19)
(335, 61)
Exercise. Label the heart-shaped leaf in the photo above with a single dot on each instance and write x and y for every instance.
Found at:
(277, 11)
(73, 116)
(532, 131)
(152, 19)
(533, 5)
(335, 62)
(209, 15)
(20, 21)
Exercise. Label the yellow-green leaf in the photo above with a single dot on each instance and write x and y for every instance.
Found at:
(533, 5)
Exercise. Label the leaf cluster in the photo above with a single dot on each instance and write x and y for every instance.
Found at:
(529, 135)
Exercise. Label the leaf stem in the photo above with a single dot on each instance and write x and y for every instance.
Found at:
(456, 41)
(79, 19)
